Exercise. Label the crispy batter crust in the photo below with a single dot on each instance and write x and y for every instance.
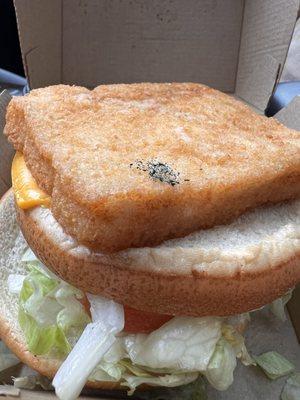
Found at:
(180, 292)
(99, 152)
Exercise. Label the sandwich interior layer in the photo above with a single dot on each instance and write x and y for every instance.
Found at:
(46, 317)
(54, 317)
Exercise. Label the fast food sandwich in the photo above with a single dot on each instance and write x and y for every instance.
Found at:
(156, 217)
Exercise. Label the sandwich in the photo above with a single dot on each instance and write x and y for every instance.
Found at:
(145, 222)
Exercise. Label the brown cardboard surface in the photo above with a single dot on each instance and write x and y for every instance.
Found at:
(259, 84)
(290, 115)
(114, 41)
(39, 25)
(152, 41)
(119, 41)
(266, 32)
(6, 150)
(294, 310)
(38, 395)
(265, 333)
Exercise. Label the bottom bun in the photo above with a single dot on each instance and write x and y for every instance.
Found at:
(221, 271)
(12, 247)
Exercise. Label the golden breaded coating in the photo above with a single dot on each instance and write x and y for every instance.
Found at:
(133, 165)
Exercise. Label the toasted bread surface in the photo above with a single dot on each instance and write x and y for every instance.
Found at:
(224, 270)
(133, 165)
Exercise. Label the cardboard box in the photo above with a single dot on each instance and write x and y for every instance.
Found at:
(237, 46)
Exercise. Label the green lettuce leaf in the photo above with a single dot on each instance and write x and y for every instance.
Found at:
(50, 314)
(220, 369)
(43, 340)
(237, 341)
(183, 343)
(191, 391)
(105, 371)
(15, 283)
(32, 382)
(274, 365)
(134, 369)
(173, 380)
(291, 390)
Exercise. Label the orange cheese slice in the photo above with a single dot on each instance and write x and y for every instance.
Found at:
(27, 193)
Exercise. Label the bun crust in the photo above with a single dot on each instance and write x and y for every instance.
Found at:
(134, 165)
(223, 271)
(12, 246)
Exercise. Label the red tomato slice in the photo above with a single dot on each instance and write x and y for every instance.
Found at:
(136, 321)
(143, 321)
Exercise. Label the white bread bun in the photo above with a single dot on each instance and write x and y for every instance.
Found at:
(12, 247)
(221, 271)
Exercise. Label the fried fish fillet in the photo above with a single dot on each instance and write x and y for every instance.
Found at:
(134, 165)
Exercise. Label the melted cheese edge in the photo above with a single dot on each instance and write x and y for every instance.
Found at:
(26, 190)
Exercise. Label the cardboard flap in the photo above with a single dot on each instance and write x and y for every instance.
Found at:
(92, 42)
(266, 33)
(294, 310)
(261, 81)
(39, 25)
(290, 115)
(6, 150)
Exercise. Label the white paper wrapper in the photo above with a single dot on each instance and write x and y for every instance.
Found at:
(265, 333)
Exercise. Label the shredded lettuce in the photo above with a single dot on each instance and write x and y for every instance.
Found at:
(56, 324)
(173, 380)
(192, 391)
(15, 283)
(237, 341)
(274, 365)
(32, 381)
(50, 314)
(220, 369)
(291, 390)
(105, 371)
(135, 369)
(185, 343)
(96, 339)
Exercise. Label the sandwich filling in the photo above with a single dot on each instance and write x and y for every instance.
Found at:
(90, 334)
(27, 192)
